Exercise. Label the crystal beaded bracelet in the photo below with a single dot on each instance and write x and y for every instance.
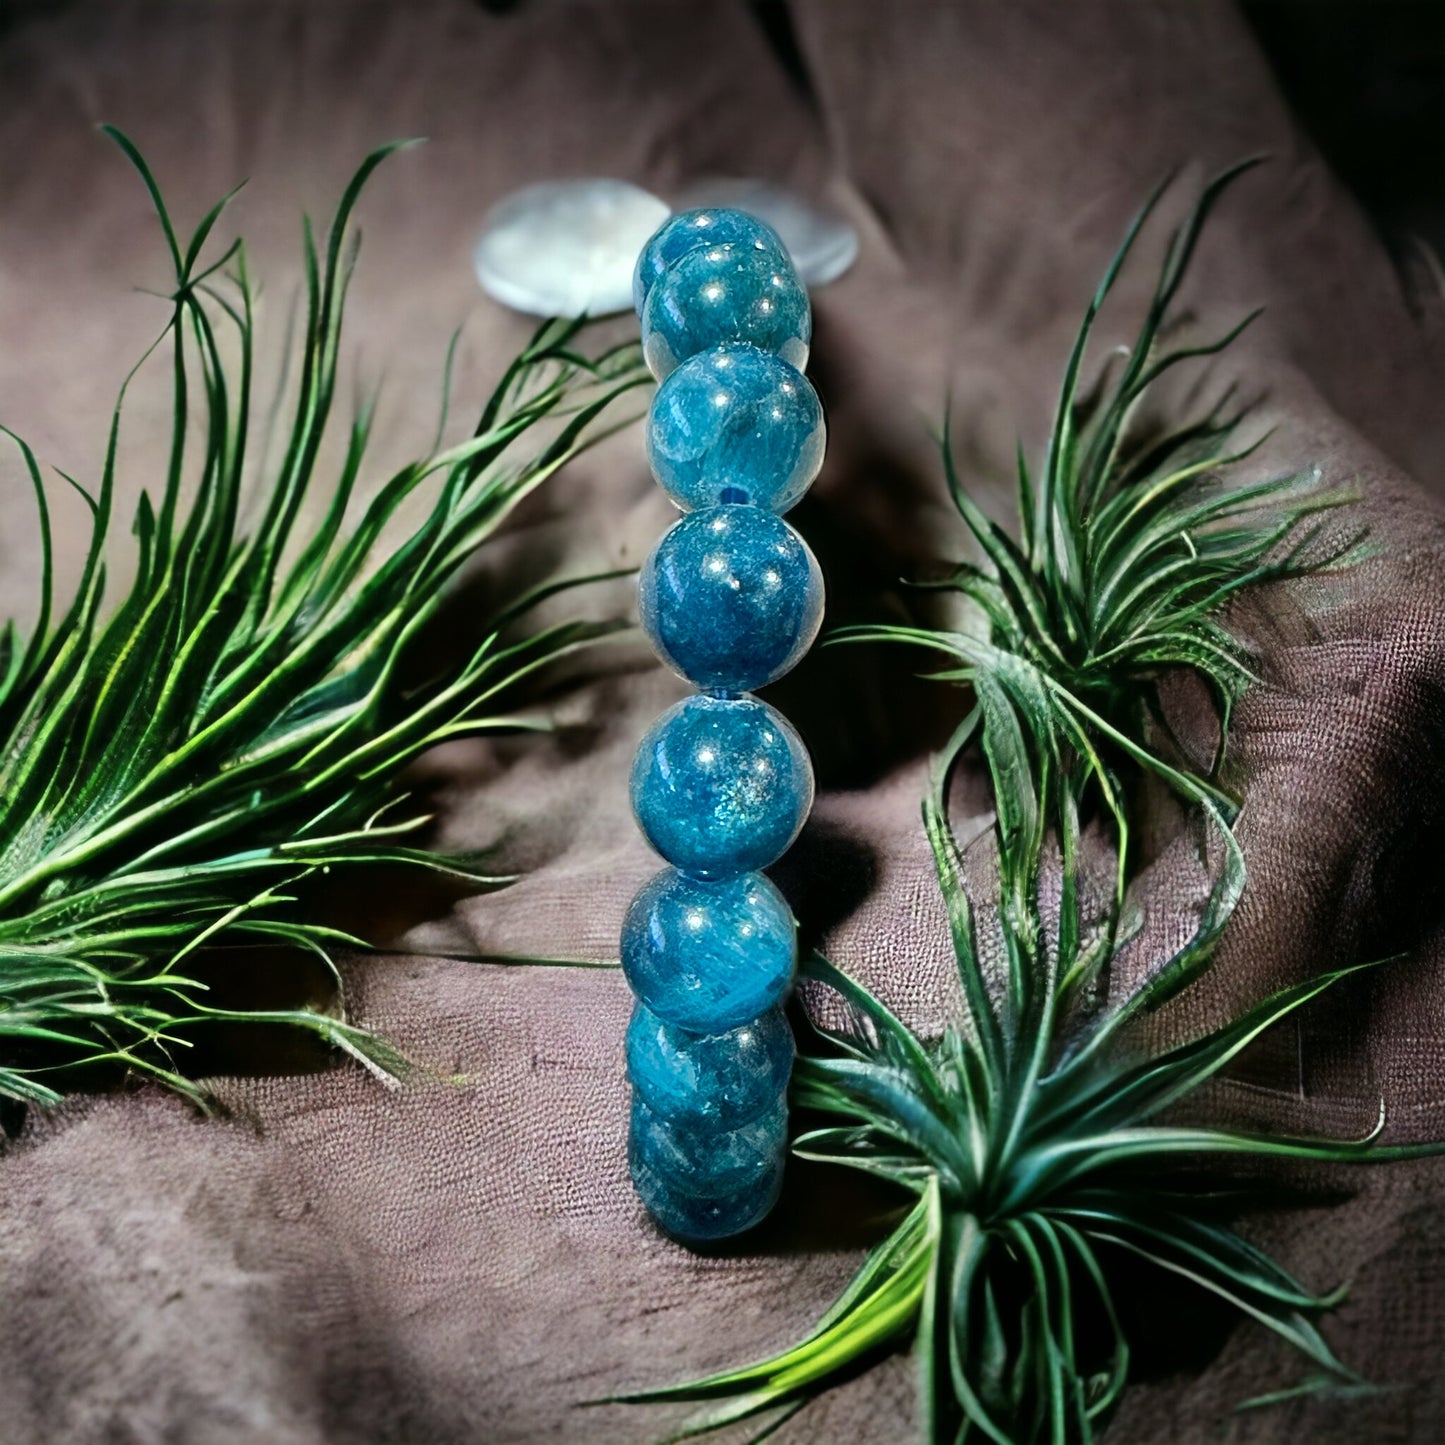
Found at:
(731, 599)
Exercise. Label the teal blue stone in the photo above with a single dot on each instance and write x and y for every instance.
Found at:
(731, 292)
(704, 1219)
(722, 1080)
(731, 598)
(692, 230)
(706, 1159)
(721, 786)
(735, 424)
(703, 1185)
(709, 957)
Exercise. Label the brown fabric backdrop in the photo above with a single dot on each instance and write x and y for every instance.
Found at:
(464, 1261)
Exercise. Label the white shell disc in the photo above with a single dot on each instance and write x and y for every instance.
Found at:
(561, 248)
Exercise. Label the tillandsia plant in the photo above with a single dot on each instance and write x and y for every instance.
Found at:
(1037, 1141)
(172, 772)
(1131, 544)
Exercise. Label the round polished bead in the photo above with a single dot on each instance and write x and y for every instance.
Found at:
(706, 1159)
(731, 292)
(821, 244)
(721, 786)
(706, 1185)
(708, 957)
(689, 231)
(731, 598)
(722, 1080)
(735, 424)
(703, 1218)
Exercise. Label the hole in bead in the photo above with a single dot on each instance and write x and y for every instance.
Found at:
(733, 494)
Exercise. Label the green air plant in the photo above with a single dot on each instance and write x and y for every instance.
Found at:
(1130, 546)
(172, 771)
(1040, 1145)
(1037, 1158)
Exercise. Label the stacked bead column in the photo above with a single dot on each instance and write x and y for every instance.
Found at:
(731, 598)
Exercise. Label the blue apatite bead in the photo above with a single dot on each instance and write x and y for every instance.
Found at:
(709, 957)
(725, 293)
(731, 598)
(722, 1080)
(705, 1185)
(691, 231)
(705, 1159)
(721, 786)
(735, 424)
(702, 1219)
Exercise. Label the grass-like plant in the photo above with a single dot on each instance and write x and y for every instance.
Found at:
(1131, 545)
(172, 770)
(1037, 1159)
(1039, 1146)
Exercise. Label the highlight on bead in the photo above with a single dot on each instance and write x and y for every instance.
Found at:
(722, 1079)
(731, 599)
(709, 955)
(692, 230)
(721, 785)
(726, 293)
(736, 424)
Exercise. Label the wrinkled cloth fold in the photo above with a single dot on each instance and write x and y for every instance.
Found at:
(463, 1259)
